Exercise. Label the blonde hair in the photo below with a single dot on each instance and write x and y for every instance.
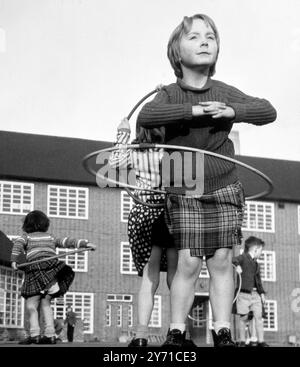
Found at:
(174, 42)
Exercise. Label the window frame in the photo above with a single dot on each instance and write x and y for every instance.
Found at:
(256, 229)
(267, 309)
(74, 306)
(124, 214)
(22, 184)
(68, 188)
(66, 259)
(156, 308)
(17, 297)
(124, 246)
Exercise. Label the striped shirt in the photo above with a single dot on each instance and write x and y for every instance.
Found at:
(146, 164)
(41, 244)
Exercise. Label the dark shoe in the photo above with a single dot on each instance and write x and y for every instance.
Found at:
(35, 339)
(262, 345)
(26, 341)
(175, 338)
(252, 344)
(241, 344)
(223, 338)
(48, 340)
(188, 343)
(138, 342)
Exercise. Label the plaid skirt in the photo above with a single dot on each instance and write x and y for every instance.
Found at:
(207, 223)
(146, 227)
(40, 277)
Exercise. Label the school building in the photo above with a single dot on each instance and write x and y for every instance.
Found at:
(45, 173)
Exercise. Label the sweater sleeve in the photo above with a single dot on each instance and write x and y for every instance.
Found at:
(18, 248)
(68, 242)
(121, 157)
(160, 111)
(253, 110)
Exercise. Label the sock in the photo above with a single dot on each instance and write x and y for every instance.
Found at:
(142, 332)
(178, 326)
(218, 325)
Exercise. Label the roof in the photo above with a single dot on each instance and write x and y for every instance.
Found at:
(59, 159)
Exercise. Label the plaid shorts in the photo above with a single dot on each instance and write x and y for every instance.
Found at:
(40, 277)
(207, 223)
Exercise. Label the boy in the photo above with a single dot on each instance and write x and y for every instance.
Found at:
(252, 294)
(199, 112)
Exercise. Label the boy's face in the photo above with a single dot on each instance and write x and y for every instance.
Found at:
(198, 48)
(257, 251)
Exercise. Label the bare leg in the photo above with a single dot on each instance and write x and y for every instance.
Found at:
(150, 282)
(221, 286)
(172, 257)
(242, 327)
(183, 285)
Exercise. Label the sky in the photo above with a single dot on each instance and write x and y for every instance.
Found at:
(76, 67)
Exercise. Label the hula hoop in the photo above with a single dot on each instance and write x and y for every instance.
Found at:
(21, 266)
(127, 187)
(234, 300)
(89, 169)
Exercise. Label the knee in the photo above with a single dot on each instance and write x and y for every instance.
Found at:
(31, 307)
(222, 260)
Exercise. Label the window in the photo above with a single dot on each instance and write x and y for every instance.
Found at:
(155, 320)
(108, 315)
(119, 298)
(267, 264)
(204, 271)
(130, 316)
(259, 217)
(126, 206)
(16, 197)
(11, 302)
(270, 323)
(68, 202)
(119, 316)
(119, 310)
(127, 264)
(82, 304)
(198, 315)
(78, 261)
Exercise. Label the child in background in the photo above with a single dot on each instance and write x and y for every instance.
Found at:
(46, 280)
(150, 242)
(198, 111)
(252, 294)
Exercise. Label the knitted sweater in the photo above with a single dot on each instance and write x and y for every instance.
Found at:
(172, 108)
(40, 244)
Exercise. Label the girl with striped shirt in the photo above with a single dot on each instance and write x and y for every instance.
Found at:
(45, 280)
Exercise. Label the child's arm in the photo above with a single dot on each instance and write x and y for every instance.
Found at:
(238, 262)
(69, 242)
(160, 111)
(18, 248)
(121, 157)
(250, 109)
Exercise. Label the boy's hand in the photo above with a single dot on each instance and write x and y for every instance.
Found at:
(14, 265)
(217, 110)
(91, 246)
(263, 299)
(238, 269)
(124, 124)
